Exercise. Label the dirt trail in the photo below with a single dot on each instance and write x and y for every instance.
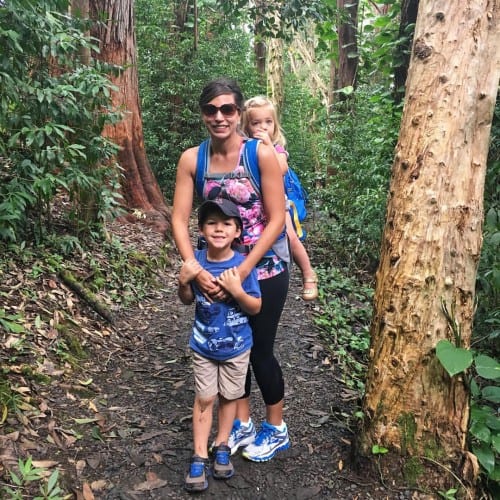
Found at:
(144, 397)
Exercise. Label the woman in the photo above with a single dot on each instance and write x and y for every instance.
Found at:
(262, 210)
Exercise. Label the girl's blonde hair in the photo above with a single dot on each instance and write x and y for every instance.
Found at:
(260, 102)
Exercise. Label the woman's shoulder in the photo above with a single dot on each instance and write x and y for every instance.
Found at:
(188, 159)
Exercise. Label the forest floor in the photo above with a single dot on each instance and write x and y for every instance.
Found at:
(119, 425)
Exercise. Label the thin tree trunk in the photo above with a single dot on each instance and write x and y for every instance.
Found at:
(275, 71)
(409, 9)
(432, 237)
(348, 46)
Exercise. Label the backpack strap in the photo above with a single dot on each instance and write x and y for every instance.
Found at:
(201, 166)
(251, 162)
(248, 159)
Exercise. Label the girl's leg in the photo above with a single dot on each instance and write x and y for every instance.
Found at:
(301, 258)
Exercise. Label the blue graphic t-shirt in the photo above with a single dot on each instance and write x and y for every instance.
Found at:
(221, 329)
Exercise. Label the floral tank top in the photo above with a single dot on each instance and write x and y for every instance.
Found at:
(237, 187)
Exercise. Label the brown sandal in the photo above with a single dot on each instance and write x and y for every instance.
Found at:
(310, 293)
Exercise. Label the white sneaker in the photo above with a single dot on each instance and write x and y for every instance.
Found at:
(268, 442)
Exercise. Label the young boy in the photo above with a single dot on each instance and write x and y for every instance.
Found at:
(221, 337)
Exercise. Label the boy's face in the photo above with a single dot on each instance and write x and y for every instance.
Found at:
(219, 230)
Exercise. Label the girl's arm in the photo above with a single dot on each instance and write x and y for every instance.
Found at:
(273, 197)
(181, 212)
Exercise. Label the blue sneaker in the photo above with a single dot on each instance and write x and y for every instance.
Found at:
(241, 435)
(268, 442)
(197, 476)
(222, 468)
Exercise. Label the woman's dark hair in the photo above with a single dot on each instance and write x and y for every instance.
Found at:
(221, 86)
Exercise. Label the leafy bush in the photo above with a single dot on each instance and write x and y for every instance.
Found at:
(53, 111)
(172, 74)
(363, 133)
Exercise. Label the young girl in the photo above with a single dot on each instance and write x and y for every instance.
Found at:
(260, 120)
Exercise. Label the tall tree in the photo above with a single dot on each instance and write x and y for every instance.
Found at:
(432, 236)
(114, 27)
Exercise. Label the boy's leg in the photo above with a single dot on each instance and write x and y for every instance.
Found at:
(202, 424)
(232, 377)
(205, 377)
(231, 385)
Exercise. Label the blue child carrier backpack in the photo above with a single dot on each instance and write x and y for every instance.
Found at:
(297, 197)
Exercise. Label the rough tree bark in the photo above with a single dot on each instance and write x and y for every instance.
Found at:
(114, 27)
(433, 233)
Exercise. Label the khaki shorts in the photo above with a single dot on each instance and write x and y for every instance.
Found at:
(226, 378)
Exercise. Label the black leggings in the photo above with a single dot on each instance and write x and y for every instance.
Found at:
(265, 366)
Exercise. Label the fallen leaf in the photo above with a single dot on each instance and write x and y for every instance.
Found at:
(87, 492)
(44, 464)
(152, 482)
(98, 485)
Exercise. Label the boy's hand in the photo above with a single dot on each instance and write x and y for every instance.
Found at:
(189, 270)
(230, 280)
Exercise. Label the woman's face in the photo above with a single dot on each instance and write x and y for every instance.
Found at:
(221, 116)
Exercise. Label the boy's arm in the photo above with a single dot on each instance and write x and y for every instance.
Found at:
(231, 282)
(189, 270)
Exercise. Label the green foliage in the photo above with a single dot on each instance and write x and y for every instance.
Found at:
(53, 109)
(172, 74)
(28, 474)
(343, 316)
(484, 425)
(362, 136)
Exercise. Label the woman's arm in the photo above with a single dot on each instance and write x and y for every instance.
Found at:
(181, 212)
(273, 197)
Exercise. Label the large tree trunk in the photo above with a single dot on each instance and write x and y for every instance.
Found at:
(348, 46)
(116, 32)
(432, 237)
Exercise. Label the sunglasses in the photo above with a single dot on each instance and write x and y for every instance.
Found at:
(225, 109)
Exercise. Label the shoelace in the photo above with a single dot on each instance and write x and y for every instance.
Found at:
(197, 469)
(265, 433)
(222, 457)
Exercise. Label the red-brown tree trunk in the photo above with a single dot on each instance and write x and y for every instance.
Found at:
(114, 27)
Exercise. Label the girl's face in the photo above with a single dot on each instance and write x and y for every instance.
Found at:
(221, 116)
(261, 123)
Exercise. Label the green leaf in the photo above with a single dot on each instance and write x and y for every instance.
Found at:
(491, 393)
(485, 455)
(495, 474)
(487, 367)
(454, 359)
(495, 442)
(481, 432)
